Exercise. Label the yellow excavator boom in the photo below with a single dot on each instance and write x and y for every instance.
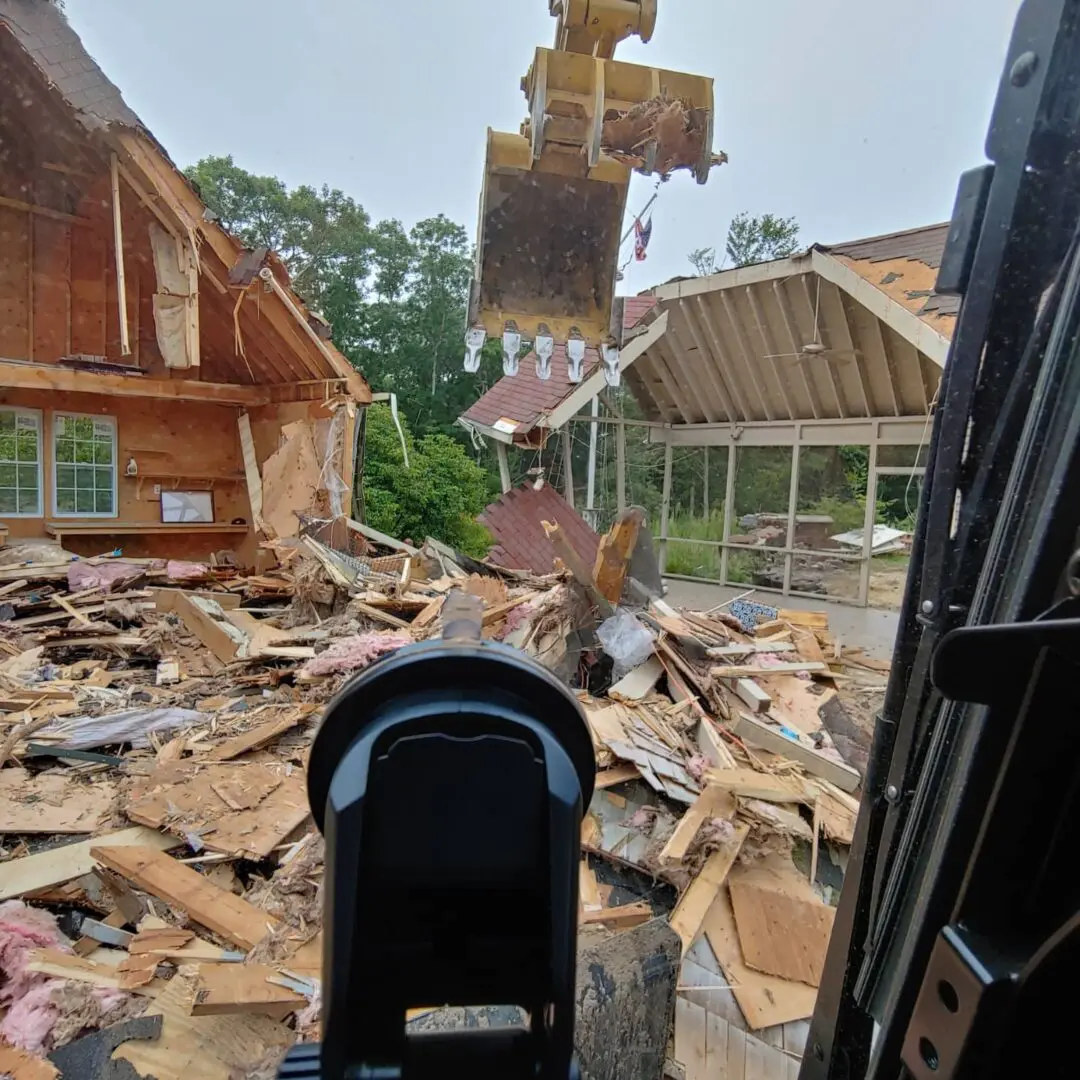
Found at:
(554, 194)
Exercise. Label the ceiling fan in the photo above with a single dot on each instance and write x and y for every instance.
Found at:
(817, 349)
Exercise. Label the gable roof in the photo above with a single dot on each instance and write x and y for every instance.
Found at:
(286, 330)
(524, 399)
(904, 266)
(515, 521)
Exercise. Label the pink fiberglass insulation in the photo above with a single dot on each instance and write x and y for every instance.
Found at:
(356, 652)
(31, 1013)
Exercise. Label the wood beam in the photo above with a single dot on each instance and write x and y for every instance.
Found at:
(710, 363)
(44, 211)
(659, 364)
(792, 329)
(771, 350)
(118, 244)
(744, 350)
(172, 186)
(722, 355)
(52, 377)
(850, 336)
(683, 372)
(895, 395)
(814, 310)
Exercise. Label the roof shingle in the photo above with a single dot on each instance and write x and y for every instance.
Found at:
(520, 541)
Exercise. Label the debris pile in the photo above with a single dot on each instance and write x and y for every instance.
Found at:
(161, 879)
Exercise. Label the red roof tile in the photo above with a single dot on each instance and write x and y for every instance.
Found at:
(524, 398)
(520, 541)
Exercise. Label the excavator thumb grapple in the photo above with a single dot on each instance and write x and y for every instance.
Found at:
(554, 195)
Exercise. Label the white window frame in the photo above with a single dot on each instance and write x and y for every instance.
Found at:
(98, 418)
(37, 414)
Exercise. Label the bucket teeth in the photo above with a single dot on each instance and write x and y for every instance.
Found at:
(575, 357)
(511, 344)
(545, 349)
(474, 341)
(610, 356)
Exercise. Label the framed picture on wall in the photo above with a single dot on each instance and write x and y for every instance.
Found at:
(189, 507)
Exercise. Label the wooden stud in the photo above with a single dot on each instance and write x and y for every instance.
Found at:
(735, 322)
(722, 357)
(771, 350)
(788, 318)
(118, 244)
(709, 364)
(665, 505)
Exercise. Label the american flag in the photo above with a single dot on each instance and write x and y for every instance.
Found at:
(642, 235)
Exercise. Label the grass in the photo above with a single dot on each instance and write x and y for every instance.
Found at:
(703, 560)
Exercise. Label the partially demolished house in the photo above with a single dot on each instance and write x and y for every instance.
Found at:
(162, 389)
(836, 346)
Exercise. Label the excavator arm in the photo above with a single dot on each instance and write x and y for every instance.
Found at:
(595, 27)
(554, 195)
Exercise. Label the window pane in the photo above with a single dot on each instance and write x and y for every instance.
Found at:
(65, 501)
(28, 477)
(65, 476)
(29, 502)
(84, 501)
(104, 501)
(84, 452)
(8, 501)
(7, 475)
(65, 450)
(103, 480)
(103, 453)
(28, 446)
(84, 427)
(7, 421)
(7, 447)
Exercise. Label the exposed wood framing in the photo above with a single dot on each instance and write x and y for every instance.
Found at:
(662, 367)
(729, 509)
(620, 465)
(504, 466)
(118, 244)
(813, 306)
(771, 350)
(709, 364)
(794, 342)
(44, 211)
(665, 505)
(851, 340)
(686, 368)
(568, 464)
(793, 502)
(53, 377)
(885, 431)
(719, 352)
(895, 395)
(744, 349)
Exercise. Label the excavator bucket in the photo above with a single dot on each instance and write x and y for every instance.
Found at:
(554, 196)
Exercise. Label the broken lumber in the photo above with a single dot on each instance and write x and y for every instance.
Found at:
(57, 865)
(259, 735)
(625, 915)
(53, 802)
(761, 734)
(750, 694)
(197, 614)
(694, 904)
(617, 774)
(234, 918)
(576, 565)
(745, 671)
(713, 802)
(613, 555)
(818, 620)
(234, 988)
(750, 784)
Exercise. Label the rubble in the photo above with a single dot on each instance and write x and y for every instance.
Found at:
(155, 719)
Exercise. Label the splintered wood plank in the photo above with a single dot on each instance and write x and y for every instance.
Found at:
(202, 1047)
(713, 802)
(613, 554)
(208, 630)
(259, 735)
(746, 671)
(242, 810)
(234, 918)
(20, 1065)
(694, 904)
(767, 737)
(236, 988)
(53, 802)
(57, 865)
(617, 774)
(782, 935)
(764, 999)
(817, 620)
(750, 784)
(429, 614)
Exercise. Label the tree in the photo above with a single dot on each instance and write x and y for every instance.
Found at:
(703, 260)
(760, 239)
(395, 298)
(439, 494)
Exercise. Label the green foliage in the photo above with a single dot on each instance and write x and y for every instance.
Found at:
(438, 495)
(703, 260)
(395, 298)
(749, 240)
(759, 239)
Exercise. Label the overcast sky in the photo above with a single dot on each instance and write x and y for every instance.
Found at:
(854, 116)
